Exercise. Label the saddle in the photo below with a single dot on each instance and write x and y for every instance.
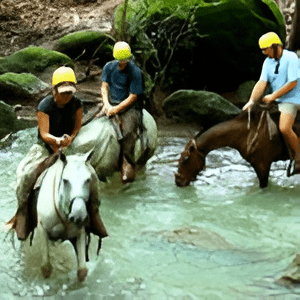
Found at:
(269, 116)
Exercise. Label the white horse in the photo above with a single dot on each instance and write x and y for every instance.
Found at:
(62, 207)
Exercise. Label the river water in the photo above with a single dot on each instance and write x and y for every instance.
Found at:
(220, 238)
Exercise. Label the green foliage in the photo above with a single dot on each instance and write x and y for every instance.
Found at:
(33, 60)
(173, 38)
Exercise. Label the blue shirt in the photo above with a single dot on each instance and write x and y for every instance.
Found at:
(288, 71)
(122, 83)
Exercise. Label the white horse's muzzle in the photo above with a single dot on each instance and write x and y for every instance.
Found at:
(78, 214)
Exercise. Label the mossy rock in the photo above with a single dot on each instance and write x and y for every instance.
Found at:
(14, 87)
(205, 108)
(223, 50)
(33, 60)
(84, 44)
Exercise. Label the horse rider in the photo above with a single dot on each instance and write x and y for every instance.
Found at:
(121, 86)
(280, 72)
(59, 120)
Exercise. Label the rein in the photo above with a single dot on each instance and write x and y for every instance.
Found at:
(55, 206)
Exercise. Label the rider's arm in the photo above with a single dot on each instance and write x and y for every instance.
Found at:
(123, 105)
(280, 92)
(77, 125)
(105, 93)
(257, 93)
(43, 124)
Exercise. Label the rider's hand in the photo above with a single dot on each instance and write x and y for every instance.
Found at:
(66, 140)
(248, 105)
(268, 98)
(112, 111)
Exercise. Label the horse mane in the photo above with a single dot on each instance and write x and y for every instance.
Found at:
(254, 115)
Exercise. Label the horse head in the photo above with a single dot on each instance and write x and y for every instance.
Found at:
(74, 190)
(190, 163)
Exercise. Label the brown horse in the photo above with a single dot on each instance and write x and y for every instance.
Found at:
(255, 135)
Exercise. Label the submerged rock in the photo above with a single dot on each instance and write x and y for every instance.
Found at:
(198, 237)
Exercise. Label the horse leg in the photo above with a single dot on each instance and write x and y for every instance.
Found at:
(46, 266)
(81, 257)
(262, 170)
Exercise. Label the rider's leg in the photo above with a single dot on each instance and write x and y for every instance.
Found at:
(130, 124)
(286, 123)
(27, 173)
(287, 118)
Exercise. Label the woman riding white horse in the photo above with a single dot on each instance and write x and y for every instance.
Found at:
(59, 120)
(63, 207)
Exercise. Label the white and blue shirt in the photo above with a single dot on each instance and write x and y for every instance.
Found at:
(288, 71)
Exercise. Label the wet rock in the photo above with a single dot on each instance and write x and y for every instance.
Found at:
(33, 60)
(10, 123)
(292, 275)
(205, 108)
(8, 120)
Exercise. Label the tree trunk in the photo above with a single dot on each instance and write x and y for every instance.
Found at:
(294, 41)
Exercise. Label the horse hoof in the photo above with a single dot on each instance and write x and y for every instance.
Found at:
(81, 274)
(47, 270)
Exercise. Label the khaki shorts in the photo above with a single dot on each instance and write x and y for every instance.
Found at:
(289, 108)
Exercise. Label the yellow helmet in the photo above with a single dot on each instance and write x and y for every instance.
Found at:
(63, 74)
(268, 39)
(121, 51)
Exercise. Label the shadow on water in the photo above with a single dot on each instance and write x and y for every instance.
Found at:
(220, 238)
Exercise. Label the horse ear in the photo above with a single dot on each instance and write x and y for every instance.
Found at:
(193, 145)
(89, 155)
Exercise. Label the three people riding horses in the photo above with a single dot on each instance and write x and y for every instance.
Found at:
(280, 73)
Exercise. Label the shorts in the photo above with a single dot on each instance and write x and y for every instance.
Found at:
(289, 108)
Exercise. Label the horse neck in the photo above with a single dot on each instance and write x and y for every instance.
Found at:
(225, 134)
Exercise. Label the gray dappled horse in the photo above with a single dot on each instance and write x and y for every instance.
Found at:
(254, 134)
(62, 207)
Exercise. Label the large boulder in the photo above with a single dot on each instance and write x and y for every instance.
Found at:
(85, 44)
(33, 60)
(15, 87)
(217, 48)
(204, 108)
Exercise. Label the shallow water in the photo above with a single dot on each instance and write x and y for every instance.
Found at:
(220, 238)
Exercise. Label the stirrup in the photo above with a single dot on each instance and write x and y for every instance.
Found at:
(294, 166)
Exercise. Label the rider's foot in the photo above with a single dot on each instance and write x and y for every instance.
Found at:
(21, 226)
(96, 223)
(128, 172)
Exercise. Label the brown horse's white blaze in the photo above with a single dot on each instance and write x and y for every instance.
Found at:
(190, 163)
